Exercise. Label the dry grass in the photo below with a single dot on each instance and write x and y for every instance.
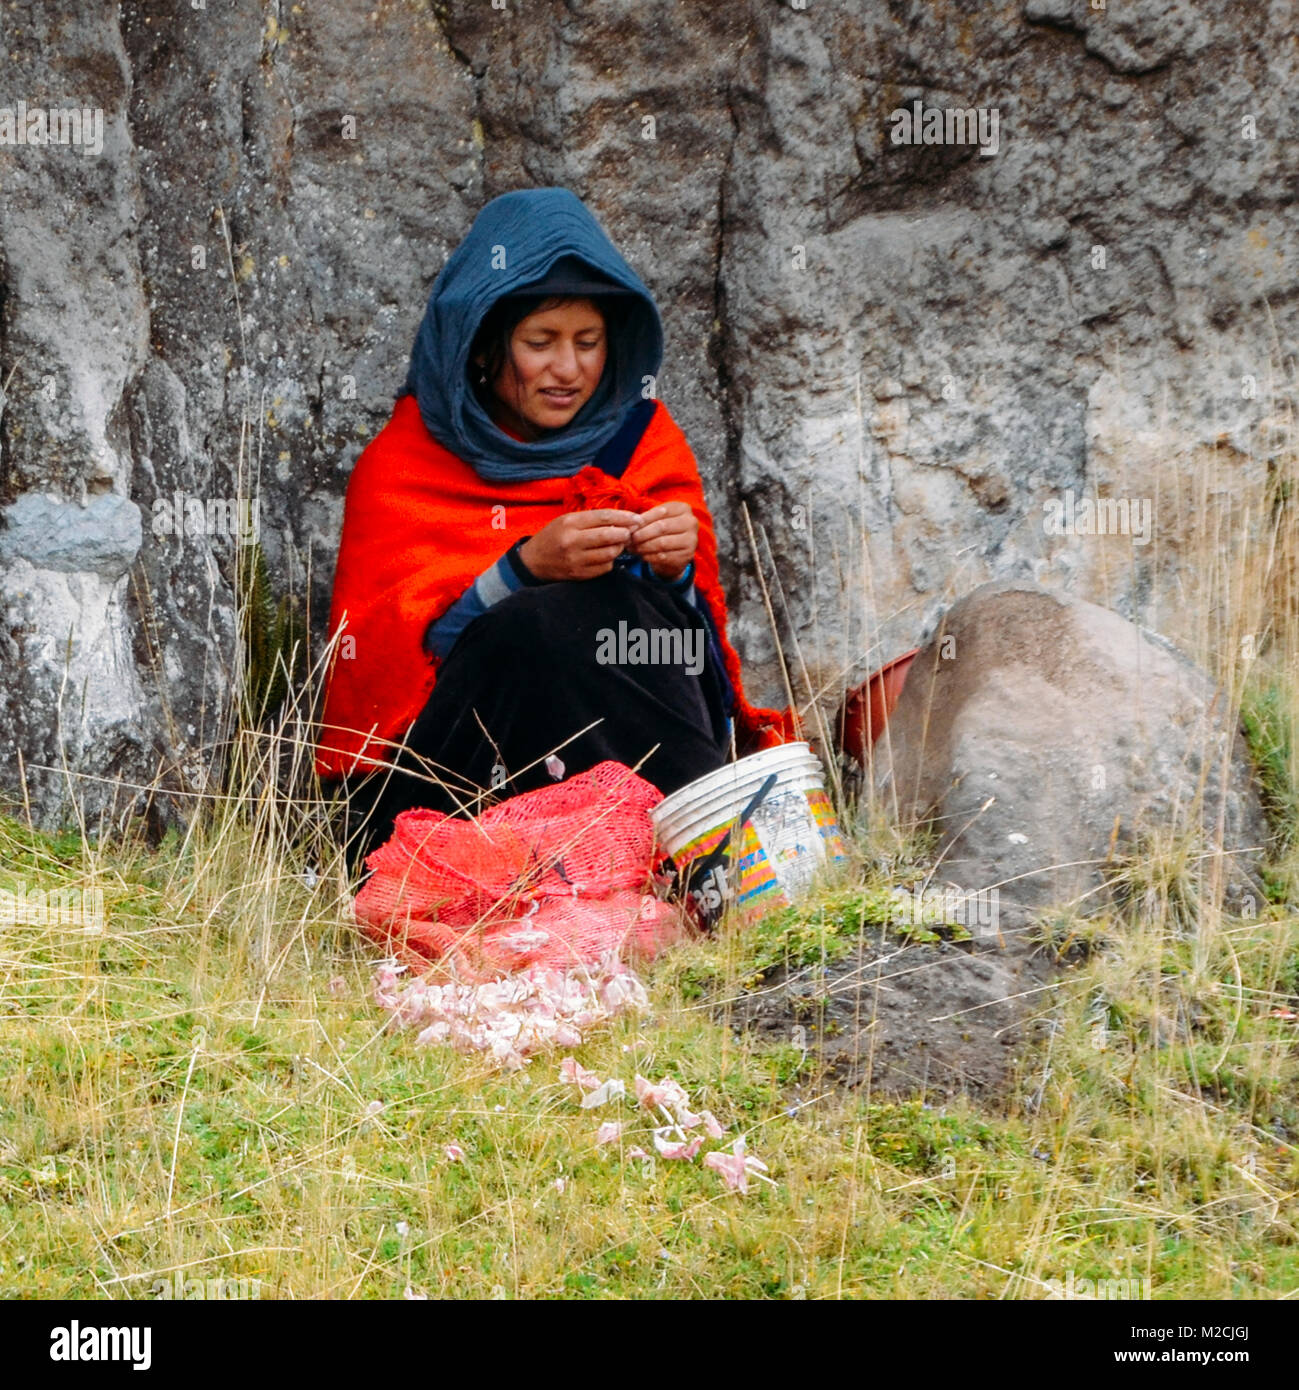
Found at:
(184, 1090)
(202, 1083)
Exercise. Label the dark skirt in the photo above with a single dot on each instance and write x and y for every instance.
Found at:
(609, 668)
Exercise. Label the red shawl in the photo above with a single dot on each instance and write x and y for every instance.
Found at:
(419, 527)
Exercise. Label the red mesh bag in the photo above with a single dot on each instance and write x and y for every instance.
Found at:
(554, 877)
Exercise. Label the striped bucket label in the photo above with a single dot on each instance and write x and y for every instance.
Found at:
(776, 843)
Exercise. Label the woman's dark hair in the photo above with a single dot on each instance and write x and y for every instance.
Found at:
(492, 341)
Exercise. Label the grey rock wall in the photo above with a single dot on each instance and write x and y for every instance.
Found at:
(889, 354)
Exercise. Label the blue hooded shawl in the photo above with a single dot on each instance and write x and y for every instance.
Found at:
(515, 240)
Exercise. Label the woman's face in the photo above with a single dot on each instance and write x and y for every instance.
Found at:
(554, 365)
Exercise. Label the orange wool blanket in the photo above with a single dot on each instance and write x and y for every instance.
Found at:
(420, 526)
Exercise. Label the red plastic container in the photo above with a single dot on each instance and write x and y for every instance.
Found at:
(866, 710)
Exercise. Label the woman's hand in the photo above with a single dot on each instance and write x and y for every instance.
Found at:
(579, 545)
(666, 538)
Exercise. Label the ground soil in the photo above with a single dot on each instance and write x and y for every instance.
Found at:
(932, 1020)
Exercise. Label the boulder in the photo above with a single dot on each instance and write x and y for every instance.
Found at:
(1042, 735)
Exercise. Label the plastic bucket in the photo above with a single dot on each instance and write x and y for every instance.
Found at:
(752, 834)
(722, 799)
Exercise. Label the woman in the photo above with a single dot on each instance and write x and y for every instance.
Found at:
(527, 582)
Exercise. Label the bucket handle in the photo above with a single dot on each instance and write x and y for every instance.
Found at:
(703, 867)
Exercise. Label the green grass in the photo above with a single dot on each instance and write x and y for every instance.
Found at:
(821, 933)
(1267, 717)
(185, 1091)
(828, 928)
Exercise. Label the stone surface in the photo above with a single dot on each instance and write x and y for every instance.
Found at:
(1039, 732)
(886, 356)
(102, 536)
(1043, 734)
